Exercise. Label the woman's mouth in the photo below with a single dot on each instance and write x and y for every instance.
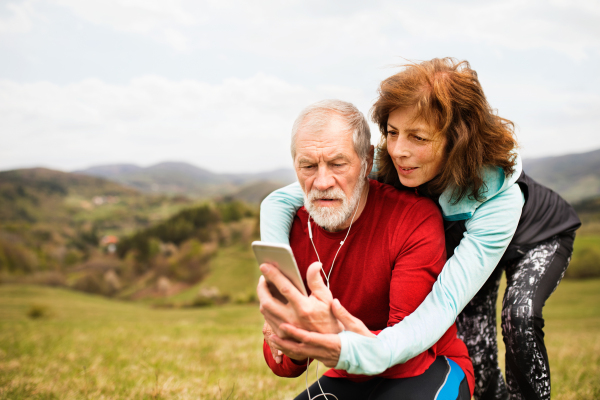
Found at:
(406, 170)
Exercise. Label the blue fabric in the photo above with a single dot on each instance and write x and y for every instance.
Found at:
(450, 389)
(489, 230)
(277, 213)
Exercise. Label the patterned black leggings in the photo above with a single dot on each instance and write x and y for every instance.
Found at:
(531, 279)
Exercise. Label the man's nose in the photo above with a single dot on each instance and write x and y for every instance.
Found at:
(324, 179)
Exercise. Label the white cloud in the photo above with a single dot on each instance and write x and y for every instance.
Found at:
(313, 29)
(19, 18)
(300, 29)
(550, 120)
(238, 125)
(569, 28)
(219, 120)
(161, 20)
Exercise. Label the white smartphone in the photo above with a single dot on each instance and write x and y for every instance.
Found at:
(282, 257)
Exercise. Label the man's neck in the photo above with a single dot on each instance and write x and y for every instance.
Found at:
(361, 206)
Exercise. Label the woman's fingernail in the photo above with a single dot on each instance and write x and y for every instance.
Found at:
(264, 268)
(279, 353)
(278, 360)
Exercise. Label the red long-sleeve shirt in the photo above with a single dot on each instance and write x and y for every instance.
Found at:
(384, 270)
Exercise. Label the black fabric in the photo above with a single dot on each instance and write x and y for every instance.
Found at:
(422, 387)
(531, 279)
(545, 214)
(476, 326)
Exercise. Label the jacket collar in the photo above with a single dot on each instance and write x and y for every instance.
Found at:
(495, 183)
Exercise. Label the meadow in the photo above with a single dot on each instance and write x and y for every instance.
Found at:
(90, 347)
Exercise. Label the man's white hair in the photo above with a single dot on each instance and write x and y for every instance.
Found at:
(317, 115)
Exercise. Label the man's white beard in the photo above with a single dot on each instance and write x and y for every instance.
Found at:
(332, 217)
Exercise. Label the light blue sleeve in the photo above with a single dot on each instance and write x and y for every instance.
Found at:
(488, 234)
(277, 213)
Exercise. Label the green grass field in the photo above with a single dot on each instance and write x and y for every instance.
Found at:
(90, 347)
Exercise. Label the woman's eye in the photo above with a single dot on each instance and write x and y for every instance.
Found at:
(419, 138)
(392, 133)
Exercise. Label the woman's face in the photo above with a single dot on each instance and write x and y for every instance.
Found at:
(417, 156)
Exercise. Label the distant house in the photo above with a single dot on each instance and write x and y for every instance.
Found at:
(109, 243)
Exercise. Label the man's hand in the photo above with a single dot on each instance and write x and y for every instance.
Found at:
(277, 354)
(301, 344)
(311, 313)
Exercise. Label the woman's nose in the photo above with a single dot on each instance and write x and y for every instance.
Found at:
(399, 149)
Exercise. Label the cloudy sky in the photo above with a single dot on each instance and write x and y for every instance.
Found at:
(218, 83)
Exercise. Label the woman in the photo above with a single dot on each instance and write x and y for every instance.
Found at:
(441, 138)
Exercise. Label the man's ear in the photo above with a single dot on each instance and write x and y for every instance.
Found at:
(370, 160)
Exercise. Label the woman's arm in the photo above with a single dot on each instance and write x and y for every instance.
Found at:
(277, 213)
(488, 234)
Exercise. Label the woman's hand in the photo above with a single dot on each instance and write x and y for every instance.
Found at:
(311, 313)
(350, 322)
(301, 344)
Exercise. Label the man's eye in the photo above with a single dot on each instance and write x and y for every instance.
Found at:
(338, 165)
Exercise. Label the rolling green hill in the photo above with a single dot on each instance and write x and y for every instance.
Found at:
(184, 178)
(97, 236)
(573, 176)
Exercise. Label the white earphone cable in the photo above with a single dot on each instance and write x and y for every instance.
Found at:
(327, 279)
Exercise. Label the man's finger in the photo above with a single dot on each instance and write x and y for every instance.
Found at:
(350, 322)
(294, 350)
(326, 349)
(316, 284)
(281, 282)
(297, 334)
(270, 307)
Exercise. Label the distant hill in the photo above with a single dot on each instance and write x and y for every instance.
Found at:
(573, 176)
(37, 194)
(255, 192)
(184, 178)
(98, 236)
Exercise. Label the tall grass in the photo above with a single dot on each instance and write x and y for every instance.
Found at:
(88, 347)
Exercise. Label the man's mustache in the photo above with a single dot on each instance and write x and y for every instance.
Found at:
(333, 194)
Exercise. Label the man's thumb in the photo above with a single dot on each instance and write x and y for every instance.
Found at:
(313, 278)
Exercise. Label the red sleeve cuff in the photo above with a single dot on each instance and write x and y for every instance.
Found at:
(287, 368)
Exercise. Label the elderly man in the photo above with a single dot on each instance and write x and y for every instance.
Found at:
(375, 250)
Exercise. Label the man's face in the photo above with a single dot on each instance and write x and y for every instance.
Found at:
(329, 172)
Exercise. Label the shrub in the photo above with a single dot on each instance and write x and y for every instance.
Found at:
(584, 264)
(249, 297)
(187, 224)
(47, 278)
(209, 296)
(90, 283)
(202, 301)
(15, 257)
(38, 311)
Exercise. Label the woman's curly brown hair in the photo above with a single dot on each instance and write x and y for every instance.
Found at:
(448, 96)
